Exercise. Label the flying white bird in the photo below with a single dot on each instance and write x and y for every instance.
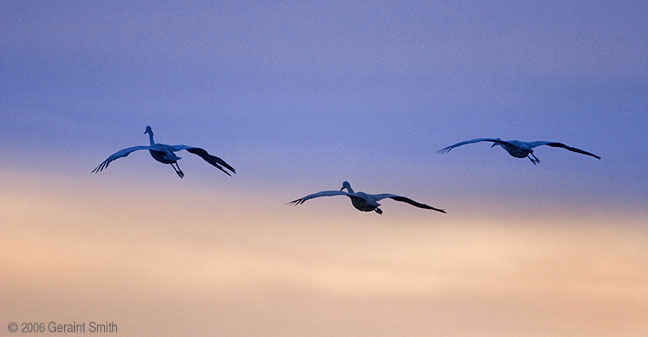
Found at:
(362, 201)
(517, 148)
(165, 154)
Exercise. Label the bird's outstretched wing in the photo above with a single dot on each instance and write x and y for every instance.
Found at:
(476, 140)
(119, 154)
(316, 195)
(215, 161)
(556, 144)
(405, 199)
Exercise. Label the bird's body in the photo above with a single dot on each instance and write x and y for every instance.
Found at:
(362, 201)
(519, 149)
(165, 154)
(516, 148)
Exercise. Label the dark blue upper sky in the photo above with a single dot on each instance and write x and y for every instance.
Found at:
(313, 93)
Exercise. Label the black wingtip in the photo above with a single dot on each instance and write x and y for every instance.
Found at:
(221, 168)
(294, 202)
(437, 209)
(97, 169)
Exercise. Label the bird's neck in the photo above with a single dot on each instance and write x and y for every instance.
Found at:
(151, 138)
(350, 190)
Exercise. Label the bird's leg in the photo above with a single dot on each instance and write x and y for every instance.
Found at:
(535, 159)
(378, 210)
(180, 173)
(178, 170)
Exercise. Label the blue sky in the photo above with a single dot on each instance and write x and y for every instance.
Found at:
(326, 91)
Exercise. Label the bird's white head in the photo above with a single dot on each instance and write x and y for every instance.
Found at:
(346, 185)
(150, 133)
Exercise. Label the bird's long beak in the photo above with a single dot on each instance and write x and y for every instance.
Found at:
(493, 144)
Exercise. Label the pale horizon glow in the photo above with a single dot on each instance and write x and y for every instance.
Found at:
(125, 263)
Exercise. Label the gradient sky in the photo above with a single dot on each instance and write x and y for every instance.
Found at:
(299, 96)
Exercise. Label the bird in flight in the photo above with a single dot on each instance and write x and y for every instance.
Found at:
(165, 154)
(519, 149)
(362, 201)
